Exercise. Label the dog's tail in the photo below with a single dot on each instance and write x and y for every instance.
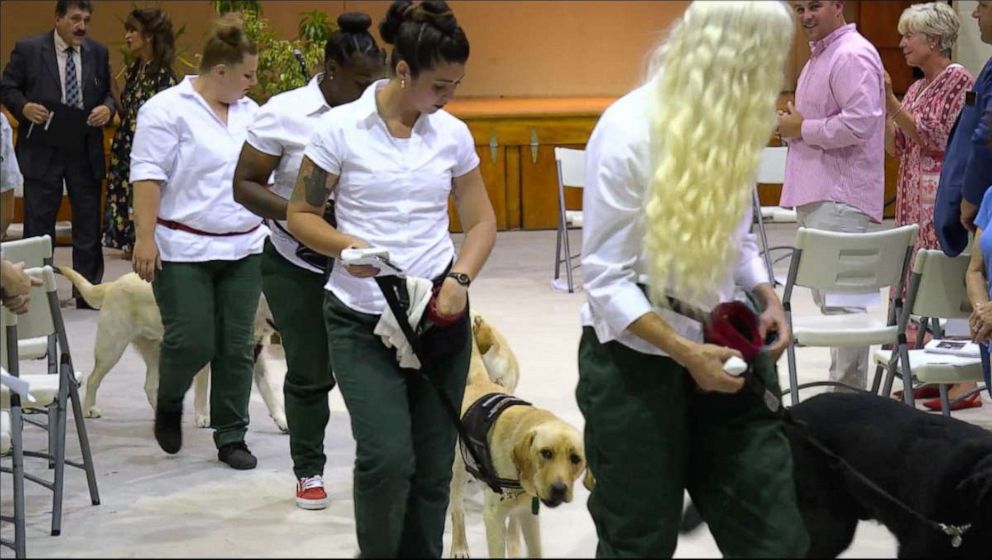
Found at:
(691, 519)
(92, 294)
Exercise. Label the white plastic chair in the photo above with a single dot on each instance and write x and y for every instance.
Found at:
(571, 173)
(846, 263)
(13, 432)
(56, 392)
(771, 170)
(34, 252)
(936, 290)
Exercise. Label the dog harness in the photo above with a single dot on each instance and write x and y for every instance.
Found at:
(478, 420)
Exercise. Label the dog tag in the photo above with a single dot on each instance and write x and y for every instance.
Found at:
(535, 505)
(956, 541)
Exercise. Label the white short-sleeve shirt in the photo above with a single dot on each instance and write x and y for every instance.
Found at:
(391, 192)
(180, 142)
(614, 261)
(282, 128)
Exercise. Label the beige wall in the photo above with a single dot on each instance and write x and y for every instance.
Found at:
(972, 53)
(529, 48)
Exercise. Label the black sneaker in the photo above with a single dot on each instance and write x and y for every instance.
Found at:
(169, 430)
(237, 456)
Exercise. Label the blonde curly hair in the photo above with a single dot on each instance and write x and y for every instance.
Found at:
(718, 75)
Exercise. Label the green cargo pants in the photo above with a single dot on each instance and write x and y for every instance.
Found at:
(208, 312)
(405, 442)
(650, 435)
(296, 298)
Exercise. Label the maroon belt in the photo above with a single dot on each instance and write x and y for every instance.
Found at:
(183, 227)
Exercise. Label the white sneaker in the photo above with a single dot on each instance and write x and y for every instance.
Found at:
(310, 493)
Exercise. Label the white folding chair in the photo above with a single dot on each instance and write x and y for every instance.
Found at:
(846, 263)
(15, 425)
(34, 252)
(771, 171)
(571, 173)
(936, 291)
(56, 392)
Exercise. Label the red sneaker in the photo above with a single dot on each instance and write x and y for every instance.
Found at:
(310, 493)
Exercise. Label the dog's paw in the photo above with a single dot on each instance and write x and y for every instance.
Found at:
(202, 420)
(281, 423)
(93, 412)
(459, 553)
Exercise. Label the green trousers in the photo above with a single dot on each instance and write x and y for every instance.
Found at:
(208, 312)
(405, 442)
(650, 435)
(296, 298)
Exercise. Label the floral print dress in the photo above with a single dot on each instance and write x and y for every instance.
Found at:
(139, 86)
(935, 108)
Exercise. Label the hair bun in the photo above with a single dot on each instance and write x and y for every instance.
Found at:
(397, 13)
(438, 14)
(230, 29)
(354, 22)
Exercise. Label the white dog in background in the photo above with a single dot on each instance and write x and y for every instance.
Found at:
(129, 315)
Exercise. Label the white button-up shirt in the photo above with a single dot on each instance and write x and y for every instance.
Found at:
(63, 57)
(282, 128)
(180, 142)
(618, 174)
(391, 192)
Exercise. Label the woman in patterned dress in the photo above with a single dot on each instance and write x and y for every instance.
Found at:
(917, 129)
(149, 38)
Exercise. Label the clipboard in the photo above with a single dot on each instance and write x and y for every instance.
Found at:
(66, 127)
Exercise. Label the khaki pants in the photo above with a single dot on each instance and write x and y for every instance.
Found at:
(847, 365)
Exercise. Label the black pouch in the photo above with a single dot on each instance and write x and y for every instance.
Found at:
(313, 258)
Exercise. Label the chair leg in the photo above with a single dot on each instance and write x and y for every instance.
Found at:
(793, 377)
(907, 376)
(17, 450)
(558, 258)
(945, 400)
(58, 436)
(877, 381)
(568, 260)
(84, 440)
(763, 235)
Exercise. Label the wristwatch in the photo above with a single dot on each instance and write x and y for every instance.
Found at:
(460, 277)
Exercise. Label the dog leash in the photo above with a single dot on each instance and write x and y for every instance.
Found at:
(398, 299)
(773, 403)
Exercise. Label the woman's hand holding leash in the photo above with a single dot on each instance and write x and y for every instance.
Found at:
(772, 320)
(360, 270)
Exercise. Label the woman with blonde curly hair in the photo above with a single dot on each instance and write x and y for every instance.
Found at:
(670, 168)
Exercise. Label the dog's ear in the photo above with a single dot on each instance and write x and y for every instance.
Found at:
(589, 481)
(978, 487)
(521, 457)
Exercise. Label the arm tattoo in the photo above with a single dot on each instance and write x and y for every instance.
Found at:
(311, 185)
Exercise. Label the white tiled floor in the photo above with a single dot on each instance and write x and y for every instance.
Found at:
(192, 505)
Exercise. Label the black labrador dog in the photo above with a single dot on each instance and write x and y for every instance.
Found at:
(938, 466)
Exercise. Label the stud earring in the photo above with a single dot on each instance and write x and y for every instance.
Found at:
(402, 83)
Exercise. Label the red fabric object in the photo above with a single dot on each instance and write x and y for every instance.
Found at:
(439, 319)
(734, 325)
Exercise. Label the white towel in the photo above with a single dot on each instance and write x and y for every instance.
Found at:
(388, 328)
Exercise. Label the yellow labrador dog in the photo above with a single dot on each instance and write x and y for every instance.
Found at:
(526, 443)
(129, 315)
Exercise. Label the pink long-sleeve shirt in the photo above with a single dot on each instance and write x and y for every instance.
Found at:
(841, 154)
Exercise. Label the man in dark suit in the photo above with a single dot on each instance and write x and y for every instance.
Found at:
(62, 67)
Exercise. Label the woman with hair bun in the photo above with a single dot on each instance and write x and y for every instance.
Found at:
(293, 276)
(392, 159)
(149, 37)
(196, 245)
(670, 171)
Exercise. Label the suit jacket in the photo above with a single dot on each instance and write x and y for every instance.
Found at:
(32, 75)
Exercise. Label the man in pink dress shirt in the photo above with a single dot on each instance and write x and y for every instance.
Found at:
(835, 172)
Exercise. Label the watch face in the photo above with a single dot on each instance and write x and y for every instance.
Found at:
(461, 278)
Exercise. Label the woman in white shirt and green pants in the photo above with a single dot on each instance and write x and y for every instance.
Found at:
(669, 178)
(392, 159)
(200, 249)
(293, 275)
